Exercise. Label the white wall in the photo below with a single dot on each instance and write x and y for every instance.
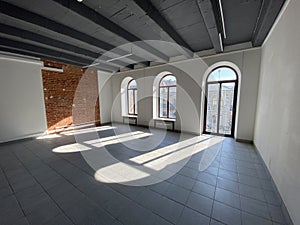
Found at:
(105, 96)
(189, 75)
(145, 78)
(277, 128)
(22, 108)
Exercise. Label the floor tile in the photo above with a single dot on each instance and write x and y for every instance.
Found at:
(272, 198)
(251, 192)
(255, 207)
(245, 164)
(177, 193)
(249, 180)
(212, 170)
(20, 221)
(249, 219)
(200, 203)
(267, 185)
(186, 171)
(135, 214)
(228, 198)
(191, 217)
(9, 207)
(59, 219)
(204, 189)
(5, 191)
(215, 222)
(44, 213)
(228, 175)
(226, 214)
(166, 208)
(184, 181)
(228, 166)
(160, 188)
(246, 171)
(88, 215)
(228, 185)
(276, 214)
(207, 178)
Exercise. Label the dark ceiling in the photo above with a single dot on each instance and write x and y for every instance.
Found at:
(79, 33)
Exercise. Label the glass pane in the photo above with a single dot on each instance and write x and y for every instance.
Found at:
(135, 101)
(168, 80)
(223, 73)
(130, 102)
(132, 85)
(212, 108)
(172, 102)
(163, 102)
(227, 95)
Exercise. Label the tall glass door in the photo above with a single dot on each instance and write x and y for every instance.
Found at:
(220, 102)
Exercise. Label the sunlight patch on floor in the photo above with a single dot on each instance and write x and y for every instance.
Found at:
(160, 164)
(49, 136)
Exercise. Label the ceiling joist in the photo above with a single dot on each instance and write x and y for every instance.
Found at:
(35, 19)
(39, 39)
(52, 53)
(155, 15)
(17, 32)
(102, 21)
(209, 17)
(268, 13)
(38, 55)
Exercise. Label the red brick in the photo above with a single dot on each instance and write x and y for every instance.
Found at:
(59, 95)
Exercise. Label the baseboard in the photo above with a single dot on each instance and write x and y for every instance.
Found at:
(244, 141)
(148, 127)
(22, 138)
(282, 205)
(105, 124)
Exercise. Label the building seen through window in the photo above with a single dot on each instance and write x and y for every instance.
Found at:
(167, 97)
(132, 97)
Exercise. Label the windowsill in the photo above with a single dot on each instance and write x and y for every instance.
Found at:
(130, 116)
(165, 119)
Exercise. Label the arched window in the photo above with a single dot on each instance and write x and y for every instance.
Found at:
(132, 97)
(167, 97)
(220, 101)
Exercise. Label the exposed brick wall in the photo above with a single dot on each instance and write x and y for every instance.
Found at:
(63, 107)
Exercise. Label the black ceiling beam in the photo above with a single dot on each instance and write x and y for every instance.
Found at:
(45, 51)
(17, 32)
(209, 17)
(52, 53)
(33, 18)
(102, 21)
(22, 14)
(38, 55)
(45, 57)
(269, 12)
(155, 15)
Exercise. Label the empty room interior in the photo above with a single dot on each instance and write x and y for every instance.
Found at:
(149, 112)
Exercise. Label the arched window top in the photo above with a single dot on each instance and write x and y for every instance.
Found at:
(132, 84)
(221, 74)
(167, 81)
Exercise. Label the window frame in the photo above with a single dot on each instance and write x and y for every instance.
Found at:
(134, 90)
(234, 105)
(168, 96)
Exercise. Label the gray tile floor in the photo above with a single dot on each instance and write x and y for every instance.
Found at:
(39, 186)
